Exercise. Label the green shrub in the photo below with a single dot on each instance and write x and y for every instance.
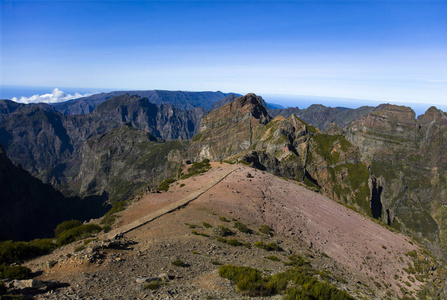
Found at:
(234, 242)
(179, 263)
(78, 233)
(250, 282)
(154, 285)
(164, 185)
(17, 252)
(198, 168)
(66, 225)
(207, 225)
(242, 227)
(200, 233)
(14, 272)
(266, 230)
(223, 231)
(296, 261)
(268, 247)
(223, 219)
(273, 258)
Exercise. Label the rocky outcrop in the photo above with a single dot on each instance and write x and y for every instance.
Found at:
(408, 157)
(231, 129)
(242, 130)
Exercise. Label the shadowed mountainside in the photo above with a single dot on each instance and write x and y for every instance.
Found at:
(30, 209)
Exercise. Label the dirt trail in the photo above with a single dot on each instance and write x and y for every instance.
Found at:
(167, 209)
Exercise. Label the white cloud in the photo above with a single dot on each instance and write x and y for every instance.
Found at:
(55, 97)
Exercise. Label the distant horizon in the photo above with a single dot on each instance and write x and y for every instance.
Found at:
(286, 100)
(387, 51)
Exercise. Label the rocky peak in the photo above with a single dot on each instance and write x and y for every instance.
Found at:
(388, 116)
(248, 107)
(433, 114)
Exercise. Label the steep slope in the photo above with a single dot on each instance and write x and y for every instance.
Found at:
(30, 209)
(242, 130)
(7, 107)
(230, 129)
(35, 136)
(322, 117)
(178, 99)
(409, 161)
(336, 245)
(48, 144)
(123, 160)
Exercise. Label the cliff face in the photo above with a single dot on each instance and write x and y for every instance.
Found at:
(408, 158)
(242, 130)
(123, 160)
(30, 209)
(231, 129)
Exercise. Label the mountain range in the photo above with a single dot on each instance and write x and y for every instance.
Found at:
(380, 161)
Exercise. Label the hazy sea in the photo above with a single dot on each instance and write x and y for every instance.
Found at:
(303, 101)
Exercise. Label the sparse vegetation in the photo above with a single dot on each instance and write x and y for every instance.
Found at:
(14, 272)
(200, 233)
(233, 242)
(250, 282)
(197, 168)
(242, 227)
(78, 233)
(179, 263)
(17, 252)
(207, 225)
(273, 258)
(66, 225)
(268, 246)
(153, 285)
(223, 219)
(223, 231)
(164, 185)
(266, 230)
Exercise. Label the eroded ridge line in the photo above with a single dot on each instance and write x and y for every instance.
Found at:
(170, 208)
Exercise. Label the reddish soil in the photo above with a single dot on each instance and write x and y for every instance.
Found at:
(335, 239)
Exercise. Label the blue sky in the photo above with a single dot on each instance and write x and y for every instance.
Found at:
(380, 50)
